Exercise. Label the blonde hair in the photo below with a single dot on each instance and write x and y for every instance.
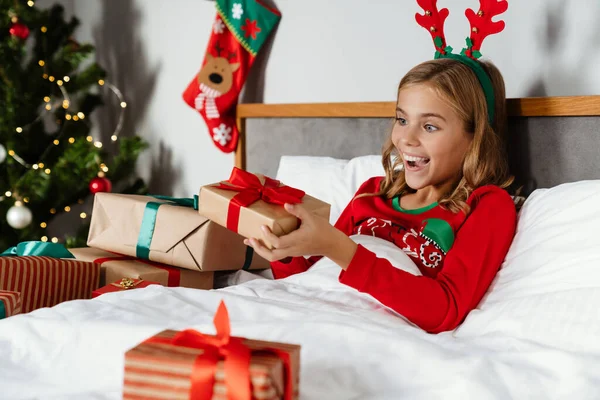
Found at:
(485, 162)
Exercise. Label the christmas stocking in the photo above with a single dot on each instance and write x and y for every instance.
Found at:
(239, 31)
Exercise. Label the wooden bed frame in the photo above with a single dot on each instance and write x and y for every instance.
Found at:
(518, 107)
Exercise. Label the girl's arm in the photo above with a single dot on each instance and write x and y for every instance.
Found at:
(337, 235)
(315, 236)
(441, 303)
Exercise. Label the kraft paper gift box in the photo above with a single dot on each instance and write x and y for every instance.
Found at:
(122, 284)
(47, 281)
(163, 366)
(158, 229)
(10, 304)
(114, 267)
(247, 201)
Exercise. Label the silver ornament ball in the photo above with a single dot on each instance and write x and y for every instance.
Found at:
(19, 216)
(2, 153)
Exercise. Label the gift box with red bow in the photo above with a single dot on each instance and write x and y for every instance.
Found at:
(247, 201)
(191, 365)
(114, 267)
(123, 284)
(10, 303)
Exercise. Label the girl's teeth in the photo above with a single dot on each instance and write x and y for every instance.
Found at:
(415, 159)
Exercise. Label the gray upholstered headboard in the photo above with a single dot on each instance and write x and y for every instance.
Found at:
(551, 140)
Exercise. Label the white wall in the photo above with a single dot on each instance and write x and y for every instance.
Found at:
(323, 50)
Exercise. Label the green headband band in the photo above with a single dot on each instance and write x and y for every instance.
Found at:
(482, 76)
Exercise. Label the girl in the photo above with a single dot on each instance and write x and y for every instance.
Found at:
(446, 208)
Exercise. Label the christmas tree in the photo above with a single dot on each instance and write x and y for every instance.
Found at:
(49, 162)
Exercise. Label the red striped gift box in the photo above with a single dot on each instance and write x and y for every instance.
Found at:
(47, 281)
(163, 371)
(10, 303)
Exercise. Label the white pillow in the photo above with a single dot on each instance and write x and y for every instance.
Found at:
(332, 180)
(324, 273)
(548, 289)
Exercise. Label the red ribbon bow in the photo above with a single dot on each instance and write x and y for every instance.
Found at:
(251, 190)
(235, 354)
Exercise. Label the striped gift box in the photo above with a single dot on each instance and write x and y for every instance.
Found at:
(162, 371)
(46, 281)
(10, 303)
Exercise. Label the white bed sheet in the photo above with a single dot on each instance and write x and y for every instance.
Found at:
(352, 346)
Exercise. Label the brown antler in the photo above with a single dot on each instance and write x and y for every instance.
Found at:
(482, 25)
(433, 21)
(231, 55)
(218, 48)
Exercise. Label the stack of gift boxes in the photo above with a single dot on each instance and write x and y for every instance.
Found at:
(135, 241)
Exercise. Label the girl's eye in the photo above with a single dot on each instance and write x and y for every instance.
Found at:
(431, 128)
(401, 121)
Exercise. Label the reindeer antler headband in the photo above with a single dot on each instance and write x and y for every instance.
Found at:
(481, 27)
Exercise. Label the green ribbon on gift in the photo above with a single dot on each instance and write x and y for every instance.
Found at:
(2, 310)
(36, 248)
(142, 249)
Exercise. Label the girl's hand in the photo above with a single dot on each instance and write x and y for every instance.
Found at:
(316, 236)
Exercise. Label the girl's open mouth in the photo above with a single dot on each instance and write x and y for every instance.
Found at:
(414, 163)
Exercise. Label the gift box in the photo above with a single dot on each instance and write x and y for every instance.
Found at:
(247, 201)
(47, 281)
(114, 267)
(10, 303)
(191, 365)
(168, 231)
(122, 284)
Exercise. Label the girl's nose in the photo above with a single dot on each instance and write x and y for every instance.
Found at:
(409, 137)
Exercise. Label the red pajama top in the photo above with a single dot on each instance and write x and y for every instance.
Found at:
(457, 255)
